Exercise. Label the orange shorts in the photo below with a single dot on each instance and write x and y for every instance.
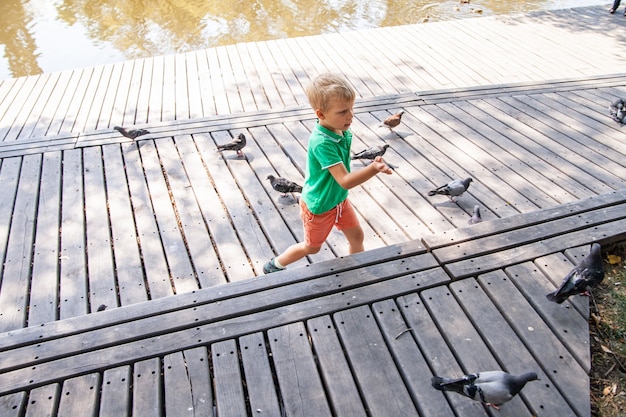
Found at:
(317, 227)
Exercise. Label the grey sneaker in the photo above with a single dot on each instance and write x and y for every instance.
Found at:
(269, 267)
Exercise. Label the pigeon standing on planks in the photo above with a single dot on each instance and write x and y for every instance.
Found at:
(476, 217)
(587, 274)
(492, 388)
(617, 110)
(131, 134)
(283, 185)
(394, 120)
(371, 153)
(452, 189)
(236, 144)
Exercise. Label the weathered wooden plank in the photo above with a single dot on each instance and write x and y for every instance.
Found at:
(196, 238)
(9, 180)
(541, 396)
(67, 86)
(301, 388)
(147, 388)
(608, 232)
(528, 235)
(456, 236)
(435, 351)
(122, 96)
(18, 257)
(177, 386)
(273, 95)
(43, 401)
(129, 341)
(8, 91)
(142, 111)
(182, 91)
(544, 173)
(553, 356)
(101, 271)
(381, 384)
(17, 114)
(218, 88)
(278, 70)
(257, 373)
(571, 329)
(168, 89)
(79, 396)
(259, 96)
(115, 87)
(231, 85)
(246, 96)
(182, 275)
(129, 274)
(12, 404)
(412, 365)
(233, 258)
(157, 275)
(35, 111)
(82, 111)
(466, 343)
(155, 101)
(97, 107)
(126, 112)
(73, 288)
(229, 391)
(293, 74)
(343, 391)
(194, 86)
(206, 91)
(197, 362)
(44, 279)
(115, 399)
(80, 101)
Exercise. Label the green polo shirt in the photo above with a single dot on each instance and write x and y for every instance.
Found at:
(320, 191)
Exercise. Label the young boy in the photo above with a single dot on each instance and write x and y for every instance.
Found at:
(324, 202)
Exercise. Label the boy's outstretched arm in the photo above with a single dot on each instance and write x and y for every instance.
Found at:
(351, 179)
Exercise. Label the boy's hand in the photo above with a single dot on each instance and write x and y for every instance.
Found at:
(381, 166)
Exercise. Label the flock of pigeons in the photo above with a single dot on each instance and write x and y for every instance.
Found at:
(491, 388)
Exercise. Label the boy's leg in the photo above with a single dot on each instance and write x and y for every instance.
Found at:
(355, 239)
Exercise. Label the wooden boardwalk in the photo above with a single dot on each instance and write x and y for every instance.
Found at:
(90, 218)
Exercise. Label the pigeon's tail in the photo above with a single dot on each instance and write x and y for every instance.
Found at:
(437, 383)
(435, 192)
(555, 297)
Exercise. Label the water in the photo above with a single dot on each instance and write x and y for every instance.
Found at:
(53, 35)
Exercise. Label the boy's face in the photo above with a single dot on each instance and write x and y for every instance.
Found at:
(337, 116)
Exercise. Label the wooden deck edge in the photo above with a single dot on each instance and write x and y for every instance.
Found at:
(260, 118)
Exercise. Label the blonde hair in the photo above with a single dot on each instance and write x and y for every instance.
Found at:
(327, 87)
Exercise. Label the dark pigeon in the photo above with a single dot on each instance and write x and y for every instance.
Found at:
(371, 153)
(283, 185)
(236, 144)
(476, 217)
(617, 110)
(492, 388)
(102, 307)
(452, 189)
(131, 134)
(587, 274)
(393, 121)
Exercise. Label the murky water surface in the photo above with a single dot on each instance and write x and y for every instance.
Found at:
(52, 35)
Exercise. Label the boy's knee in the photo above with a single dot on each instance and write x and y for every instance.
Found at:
(312, 250)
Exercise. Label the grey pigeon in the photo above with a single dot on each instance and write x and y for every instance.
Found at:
(587, 274)
(393, 121)
(371, 153)
(476, 217)
(236, 144)
(492, 388)
(617, 110)
(102, 307)
(133, 133)
(452, 189)
(283, 185)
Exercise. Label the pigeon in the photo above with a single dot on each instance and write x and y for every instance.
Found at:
(617, 110)
(452, 189)
(587, 274)
(393, 121)
(371, 153)
(133, 133)
(236, 144)
(492, 388)
(102, 307)
(283, 185)
(476, 217)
